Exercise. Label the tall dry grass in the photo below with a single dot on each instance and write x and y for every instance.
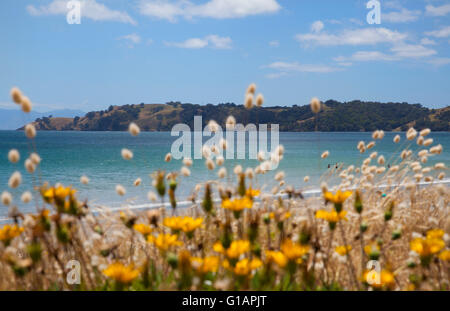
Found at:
(378, 228)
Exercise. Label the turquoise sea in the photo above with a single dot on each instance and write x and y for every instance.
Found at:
(68, 155)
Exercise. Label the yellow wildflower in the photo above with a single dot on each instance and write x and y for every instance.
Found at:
(9, 232)
(251, 193)
(186, 224)
(332, 217)
(205, 265)
(343, 249)
(164, 241)
(445, 255)
(378, 280)
(277, 257)
(237, 205)
(245, 266)
(427, 247)
(293, 250)
(236, 249)
(337, 198)
(435, 234)
(120, 273)
(143, 229)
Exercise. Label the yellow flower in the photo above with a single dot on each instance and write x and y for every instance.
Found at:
(237, 205)
(332, 217)
(9, 232)
(371, 247)
(120, 273)
(337, 198)
(186, 224)
(427, 247)
(164, 241)
(245, 266)
(293, 250)
(435, 234)
(143, 229)
(445, 255)
(205, 265)
(277, 257)
(378, 280)
(236, 249)
(251, 193)
(343, 249)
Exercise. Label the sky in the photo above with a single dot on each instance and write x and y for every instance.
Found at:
(209, 51)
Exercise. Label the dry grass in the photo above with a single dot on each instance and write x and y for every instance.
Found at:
(245, 240)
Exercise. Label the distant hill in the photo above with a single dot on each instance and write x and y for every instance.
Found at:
(11, 119)
(335, 116)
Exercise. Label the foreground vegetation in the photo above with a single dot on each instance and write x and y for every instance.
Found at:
(378, 229)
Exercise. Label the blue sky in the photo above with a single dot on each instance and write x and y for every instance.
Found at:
(154, 51)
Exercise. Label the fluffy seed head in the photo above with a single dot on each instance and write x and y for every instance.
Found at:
(13, 156)
(26, 197)
(134, 129)
(411, 134)
(16, 95)
(35, 158)
(248, 101)
(222, 173)
(25, 104)
(206, 151)
(237, 170)
(251, 89)
(120, 190)
(223, 144)
(425, 132)
(185, 171)
(325, 155)
(397, 139)
(249, 173)
(213, 126)
(210, 164)
(84, 180)
(381, 160)
(441, 175)
(220, 160)
(15, 180)
(259, 100)
(168, 157)
(127, 154)
(436, 149)
(439, 166)
(428, 142)
(187, 162)
(261, 156)
(151, 196)
(315, 105)
(137, 182)
(6, 198)
(420, 140)
(306, 179)
(371, 145)
(30, 131)
(279, 176)
(29, 166)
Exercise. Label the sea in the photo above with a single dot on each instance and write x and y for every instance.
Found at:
(67, 155)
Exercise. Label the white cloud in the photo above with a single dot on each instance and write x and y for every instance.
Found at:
(132, 39)
(297, 67)
(275, 75)
(90, 9)
(441, 33)
(274, 43)
(213, 41)
(438, 10)
(402, 16)
(398, 52)
(427, 41)
(220, 9)
(440, 61)
(317, 26)
(412, 51)
(362, 36)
